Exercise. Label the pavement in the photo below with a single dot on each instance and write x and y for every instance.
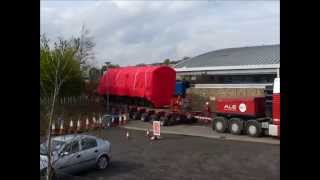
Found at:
(199, 131)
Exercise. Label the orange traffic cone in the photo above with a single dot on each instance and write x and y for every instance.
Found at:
(78, 126)
(154, 138)
(94, 122)
(148, 132)
(61, 129)
(87, 124)
(120, 120)
(112, 121)
(100, 122)
(125, 121)
(53, 129)
(71, 126)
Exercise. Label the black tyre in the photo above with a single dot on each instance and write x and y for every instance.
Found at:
(102, 163)
(236, 126)
(153, 117)
(253, 128)
(220, 124)
(189, 119)
(164, 121)
(144, 117)
(43, 173)
(136, 116)
(174, 120)
(131, 115)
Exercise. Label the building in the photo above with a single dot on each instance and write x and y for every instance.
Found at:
(249, 66)
(233, 72)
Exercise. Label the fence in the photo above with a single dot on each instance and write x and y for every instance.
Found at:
(72, 100)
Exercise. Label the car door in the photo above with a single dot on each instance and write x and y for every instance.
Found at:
(69, 159)
(90, 152)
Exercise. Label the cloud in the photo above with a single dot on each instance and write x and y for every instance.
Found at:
(132, 32)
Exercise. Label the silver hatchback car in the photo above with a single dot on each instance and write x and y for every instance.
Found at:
(74, 153)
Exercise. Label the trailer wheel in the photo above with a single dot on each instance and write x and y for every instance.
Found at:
(236, 126)
(254, 128)
(153, 118)
(163, 121)
(136, 116)
(144, 117)
(173, 120)
(220, 124)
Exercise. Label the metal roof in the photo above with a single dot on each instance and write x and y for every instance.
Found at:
(234, 57)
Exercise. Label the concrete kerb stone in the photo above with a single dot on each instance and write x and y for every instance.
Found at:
(219, 137)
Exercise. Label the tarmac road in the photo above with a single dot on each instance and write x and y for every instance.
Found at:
(185, 157)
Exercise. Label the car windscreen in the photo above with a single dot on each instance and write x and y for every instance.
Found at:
(56, 145)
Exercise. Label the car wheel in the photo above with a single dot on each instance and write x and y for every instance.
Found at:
(102, 163)
(43, 173)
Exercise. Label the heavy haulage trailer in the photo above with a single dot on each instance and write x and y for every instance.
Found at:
(151, 93)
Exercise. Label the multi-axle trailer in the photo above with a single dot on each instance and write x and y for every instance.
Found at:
(148, 94)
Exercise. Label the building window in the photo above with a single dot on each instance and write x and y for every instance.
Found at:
(234, 79)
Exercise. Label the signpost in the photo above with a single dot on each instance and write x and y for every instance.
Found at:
(156, 128)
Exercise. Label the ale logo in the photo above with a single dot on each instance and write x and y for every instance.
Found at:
(242, 107)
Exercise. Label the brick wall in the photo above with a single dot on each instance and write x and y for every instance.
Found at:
(199, 96)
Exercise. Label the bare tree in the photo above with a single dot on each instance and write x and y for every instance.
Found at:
(84, 45)
(61, 66)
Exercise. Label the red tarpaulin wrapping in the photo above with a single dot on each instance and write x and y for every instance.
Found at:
(153, 83)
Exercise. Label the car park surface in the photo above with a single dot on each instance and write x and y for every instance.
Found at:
(185, 157)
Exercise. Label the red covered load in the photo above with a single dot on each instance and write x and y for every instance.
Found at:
(153, 83)
(253, 106)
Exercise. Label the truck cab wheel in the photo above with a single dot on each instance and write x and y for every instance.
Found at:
(236, 126)
(254, 128)
(220, 124)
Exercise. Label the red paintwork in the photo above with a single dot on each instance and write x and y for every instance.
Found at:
(254, 106)
(276, 109)
(154, 83)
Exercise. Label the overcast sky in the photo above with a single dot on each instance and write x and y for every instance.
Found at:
(132, 32)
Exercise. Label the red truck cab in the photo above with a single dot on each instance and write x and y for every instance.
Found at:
(274, 128)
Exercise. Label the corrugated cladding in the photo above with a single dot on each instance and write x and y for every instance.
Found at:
(257, 55)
